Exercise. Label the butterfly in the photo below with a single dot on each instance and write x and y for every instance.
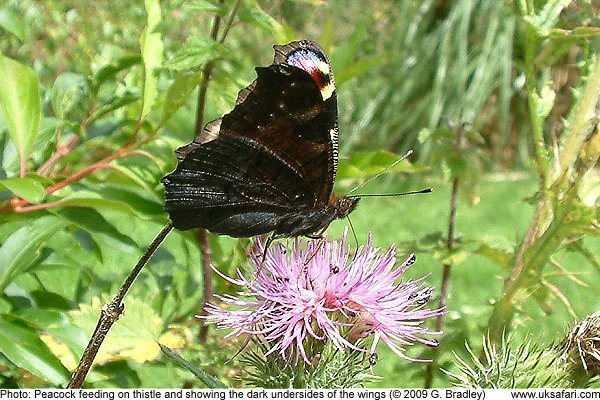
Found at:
(270, 164)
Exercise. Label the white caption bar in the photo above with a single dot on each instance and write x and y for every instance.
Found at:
(300, 394)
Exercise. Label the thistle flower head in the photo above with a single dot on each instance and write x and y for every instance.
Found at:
(314, 293)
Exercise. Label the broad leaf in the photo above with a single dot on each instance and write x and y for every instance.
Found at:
(20, 105)
(70, 96)
(109, 71)
(20, 250)
(58, 324)
(195, 54)
(12, 22)
(110, 198)
(23, 347)
(93, 222)
(152, 53)
(179, 93)
(27, 188)
(369, 163)
(203, 6)
(132, 337)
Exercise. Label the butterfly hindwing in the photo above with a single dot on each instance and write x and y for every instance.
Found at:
(268, 165)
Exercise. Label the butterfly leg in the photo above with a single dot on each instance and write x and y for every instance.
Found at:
(264, 255)
(321, 240)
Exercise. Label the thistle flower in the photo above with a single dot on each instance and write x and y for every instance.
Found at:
(314, 294)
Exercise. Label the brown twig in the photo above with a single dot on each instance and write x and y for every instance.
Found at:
(200, 108)
(61, 151)
(447, 269)
(17, 204)
(111, 312)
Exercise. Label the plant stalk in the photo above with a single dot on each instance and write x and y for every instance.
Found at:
(447, 268)
(111, 312)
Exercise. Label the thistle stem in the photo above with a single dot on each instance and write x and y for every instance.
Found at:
(111, 312)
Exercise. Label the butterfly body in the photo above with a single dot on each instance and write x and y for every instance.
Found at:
(269, 165)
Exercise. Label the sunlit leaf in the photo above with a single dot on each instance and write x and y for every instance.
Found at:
(548, 16)
(545, 101)
(152, 53)
(20, 104)
(70, 96)
(133, 337)
(27, 188)
(195, 54)
(110, 71)
(581, 32)
(368, 163)
(203, 6)
(64, 338)
(178, 93)
(20, 249)
(22, 346)
(114, 103)
(253, 14)
(12, 22)
(115, 199)
(94, 223)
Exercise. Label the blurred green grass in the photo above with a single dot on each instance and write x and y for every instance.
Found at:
(502, 213)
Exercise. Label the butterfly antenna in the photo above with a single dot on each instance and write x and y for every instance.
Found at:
(426, 190)
(383, 171)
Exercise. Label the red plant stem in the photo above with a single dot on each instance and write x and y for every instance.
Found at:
(81, 174)
(61, 151)
(43, 206)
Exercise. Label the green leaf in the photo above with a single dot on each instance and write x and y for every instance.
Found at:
(194, 55)
(179, 93)
(114, 103)
(110, 198)
(348, 60)
(580, 32)
(20, 105)
(152, 53)
(27, 188)
(547, 17)
(254, 15)
(369, 163)
(70, 96)
(21, 248)
(93, 222)
(23, 347)
(497, 249)
(55, 323)
(545, 101)
(132, 337)
(11, 22)
(110, 71)
(203, 6)
(209, 380)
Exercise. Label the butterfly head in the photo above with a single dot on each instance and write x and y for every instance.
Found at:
(343, 205)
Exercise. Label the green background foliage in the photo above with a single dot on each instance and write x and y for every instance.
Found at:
(96, 96)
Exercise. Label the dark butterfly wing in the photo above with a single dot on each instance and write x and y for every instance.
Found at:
(275, 154)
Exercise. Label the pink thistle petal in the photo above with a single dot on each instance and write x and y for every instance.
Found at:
(314, 293)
